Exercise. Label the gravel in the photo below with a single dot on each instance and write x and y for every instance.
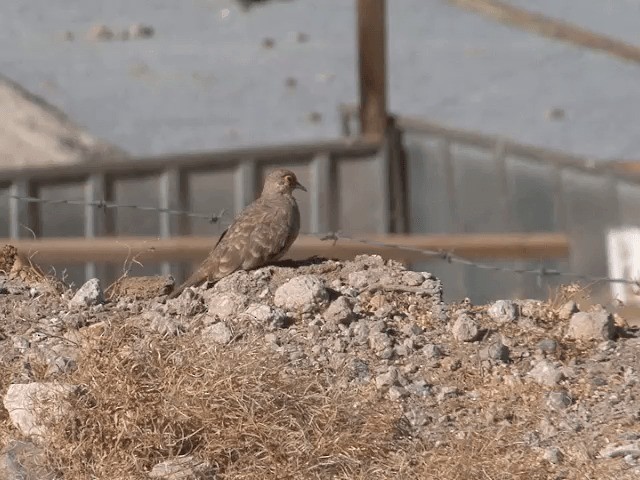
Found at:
(446, 369)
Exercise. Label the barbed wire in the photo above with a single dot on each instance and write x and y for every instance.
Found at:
(104, 205)
(452, 258)
(442, 255)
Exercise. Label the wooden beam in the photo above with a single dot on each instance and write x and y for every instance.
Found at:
(551, 28)
(520, 246)
(372, 67)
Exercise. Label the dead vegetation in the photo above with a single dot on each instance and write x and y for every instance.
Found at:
(150, 398)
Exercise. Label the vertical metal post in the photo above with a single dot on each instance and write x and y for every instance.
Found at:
(559, 203)
(444, 150)
(173, 195)
(398, 182)
(383, 161)
(500, 158)
(97, 221)
(372, 67)
(246, 181)
(321, 193)
(23, 215)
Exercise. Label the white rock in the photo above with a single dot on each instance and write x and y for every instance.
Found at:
(265, 314)
(465, 329)
(553, 455)
(340, 311)
(546, 373)
(412, 279)
(88, 294)
(31, 404)
(218, 333)
(304, 293)
(225, 306)
(363, 278)
(591, 326)
(613, 451)
(503, 311)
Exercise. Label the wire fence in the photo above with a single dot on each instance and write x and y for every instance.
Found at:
(446, 256)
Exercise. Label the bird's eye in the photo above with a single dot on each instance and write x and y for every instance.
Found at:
(288, 179)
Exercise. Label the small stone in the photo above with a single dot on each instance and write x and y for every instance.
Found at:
(218, 332)
(225, 306)
(591, 326)
(613, 451)
(559, 400)
(553, 455)
(401, 350)
(360, 370)
(530, 308)
(546, 373)
(417, 417)
(304, 293)
(567, 310)
(412, 279)
(100, 33)
(465, 329)
(62, 364)
(380, 341)
(447, 392)
(266, 315)
(503, 311)
(395, 393)
(340, 311)
(88, 295)
(360, 333)
(363, 278)
(431, 351)
(385, 354)
(166, 326)
(496, 351)
(419, 388)
(548, 345)
(411, 330)
(387, 379)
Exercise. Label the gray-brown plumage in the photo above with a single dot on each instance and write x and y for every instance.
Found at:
(260, 234)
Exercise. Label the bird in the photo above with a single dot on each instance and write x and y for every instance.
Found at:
(260, 234)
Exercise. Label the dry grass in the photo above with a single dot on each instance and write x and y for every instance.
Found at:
(150, 398)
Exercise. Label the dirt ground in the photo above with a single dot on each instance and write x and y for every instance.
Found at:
(317, 369)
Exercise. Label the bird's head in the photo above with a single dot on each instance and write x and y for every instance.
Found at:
(281, 181)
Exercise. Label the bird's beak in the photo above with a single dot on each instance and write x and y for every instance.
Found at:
(299, 186)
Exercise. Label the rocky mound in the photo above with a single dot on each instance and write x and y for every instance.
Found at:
(319, 369)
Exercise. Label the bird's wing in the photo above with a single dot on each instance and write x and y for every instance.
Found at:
(257, 236)
(260, 233)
